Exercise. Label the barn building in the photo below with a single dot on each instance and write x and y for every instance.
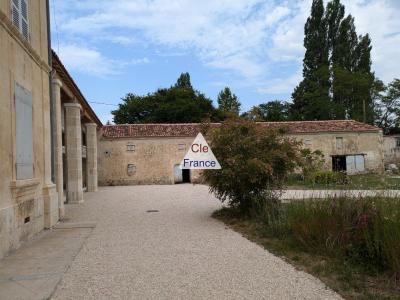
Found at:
(151, 153)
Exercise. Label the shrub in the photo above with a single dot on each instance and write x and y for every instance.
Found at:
(254, 160)
(329, 177)
(310, 162)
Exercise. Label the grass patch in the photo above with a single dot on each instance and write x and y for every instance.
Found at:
(352, 245)
(360, 182)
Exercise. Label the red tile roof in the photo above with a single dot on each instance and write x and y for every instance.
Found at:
(192, 129)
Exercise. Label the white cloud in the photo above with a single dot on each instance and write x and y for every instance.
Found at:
(252, 39)
(91, 61)
(281, 85)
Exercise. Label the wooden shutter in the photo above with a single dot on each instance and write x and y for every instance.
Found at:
(360, 164)
(23, 129)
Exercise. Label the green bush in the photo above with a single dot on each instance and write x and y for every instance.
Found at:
(254, 160)
(329, 177)
(366, 230)
(310, 162)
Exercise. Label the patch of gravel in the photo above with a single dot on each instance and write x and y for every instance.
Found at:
(179, 252)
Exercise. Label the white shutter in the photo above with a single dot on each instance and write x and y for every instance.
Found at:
(23, 128)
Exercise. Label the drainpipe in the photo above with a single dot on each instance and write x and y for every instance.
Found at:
(52, 104)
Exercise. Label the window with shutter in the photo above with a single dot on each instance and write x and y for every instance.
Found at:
(23, 128)
(19, 16)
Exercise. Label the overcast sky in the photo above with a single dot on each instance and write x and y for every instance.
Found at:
(255, 47)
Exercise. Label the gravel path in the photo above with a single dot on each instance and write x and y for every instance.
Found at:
(179, 252)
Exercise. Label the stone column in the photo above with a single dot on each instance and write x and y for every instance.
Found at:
(73, 139)
(50, 197)
(58, 165)
(91, 157)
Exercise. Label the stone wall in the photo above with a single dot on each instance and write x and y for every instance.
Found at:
(391, 150)
(368, 143)
(153, 160)
(26, 206)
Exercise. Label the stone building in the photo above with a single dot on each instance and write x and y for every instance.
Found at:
(391, 149)
(28, 197)
(151, 153)
(48, 132)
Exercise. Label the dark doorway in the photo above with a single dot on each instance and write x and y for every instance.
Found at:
(339, 163)
(185, 175)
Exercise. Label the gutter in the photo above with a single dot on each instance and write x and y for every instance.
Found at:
(52, 103)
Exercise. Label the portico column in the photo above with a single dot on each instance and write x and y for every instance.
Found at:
(50, 197)
(73, 138)
(91, 157)
(58, 145)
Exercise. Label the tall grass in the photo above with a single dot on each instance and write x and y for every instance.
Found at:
(366, 230)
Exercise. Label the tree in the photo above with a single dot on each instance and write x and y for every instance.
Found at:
(311, 97)
(273, 111)
(228, 102)
(337, 77)
(254, 160)
(177, 104)
(184, 81)
(388, 105)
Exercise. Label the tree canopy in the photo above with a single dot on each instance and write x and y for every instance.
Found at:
(228, 102)
(337, 78)
(180, 103)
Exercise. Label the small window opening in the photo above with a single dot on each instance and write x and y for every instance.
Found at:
(130, 147)
(339, 163)
(27, 220)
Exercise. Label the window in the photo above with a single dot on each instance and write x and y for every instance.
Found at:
(130, 147)
(23, 128)
(397, 142)
(19, 16)
(339, 143)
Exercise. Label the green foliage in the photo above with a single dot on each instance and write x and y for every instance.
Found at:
(254, 163)
(228, 102)
(388, 106)
(329, 177)
(273, 111)
(337, 79)
(366, 230)
(177, 104)
(311, 97)
(310, 162)
(184, 81)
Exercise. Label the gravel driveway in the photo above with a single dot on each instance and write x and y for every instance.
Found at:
(179, 252)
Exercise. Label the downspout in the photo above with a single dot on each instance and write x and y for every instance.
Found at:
(52, 104)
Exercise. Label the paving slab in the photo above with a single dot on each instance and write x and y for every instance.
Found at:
(34, 270)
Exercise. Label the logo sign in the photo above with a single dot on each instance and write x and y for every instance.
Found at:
(200, 156)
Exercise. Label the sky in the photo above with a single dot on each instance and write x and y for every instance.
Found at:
(255, 47)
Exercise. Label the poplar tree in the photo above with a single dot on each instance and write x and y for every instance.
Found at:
(337, 77)
(311, 97)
